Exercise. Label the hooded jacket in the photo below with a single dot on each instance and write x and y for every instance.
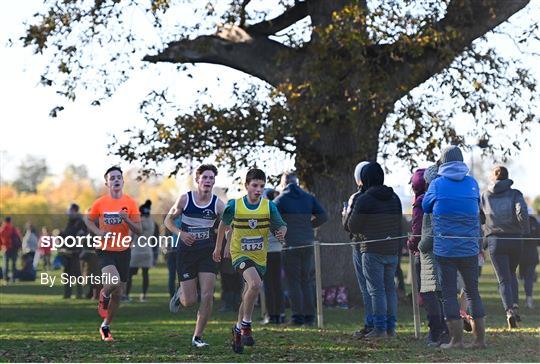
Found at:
(296, 208)
(376, 214)
(419, 187)
(454, 199)
(503, 210)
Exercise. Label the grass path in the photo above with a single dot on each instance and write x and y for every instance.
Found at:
(36, 324)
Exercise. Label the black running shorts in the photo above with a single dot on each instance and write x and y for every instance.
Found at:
(192, 262)
(119, 259)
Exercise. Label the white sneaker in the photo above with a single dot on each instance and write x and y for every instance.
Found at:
(198, 342)
(174, 303)
(529, 302)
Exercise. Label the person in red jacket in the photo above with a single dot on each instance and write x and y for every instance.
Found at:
(10, 243)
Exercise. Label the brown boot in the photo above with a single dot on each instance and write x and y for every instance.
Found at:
(456, 335)
(479, 332)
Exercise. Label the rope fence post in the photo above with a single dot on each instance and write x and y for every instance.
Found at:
(318, 284)
(414, 295)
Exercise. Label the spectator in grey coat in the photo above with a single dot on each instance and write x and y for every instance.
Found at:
(504, 215)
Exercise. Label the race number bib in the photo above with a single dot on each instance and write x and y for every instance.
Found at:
(199, 233)
(112, 218)
(252, 243)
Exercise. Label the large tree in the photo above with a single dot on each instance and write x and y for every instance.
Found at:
(342, 77)
(31, 172)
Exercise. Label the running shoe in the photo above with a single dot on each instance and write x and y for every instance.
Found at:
(512, 321)
(105, 332)
(247, 338)
(174, 303)
(103, 305)
(198, 342)
(466, 320)
(236, 341)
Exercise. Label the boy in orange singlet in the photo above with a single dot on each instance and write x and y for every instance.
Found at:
(113, 216)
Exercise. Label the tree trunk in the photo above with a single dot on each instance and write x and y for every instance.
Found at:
(325, 169)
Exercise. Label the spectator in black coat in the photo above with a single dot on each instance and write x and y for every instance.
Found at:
(377, 215)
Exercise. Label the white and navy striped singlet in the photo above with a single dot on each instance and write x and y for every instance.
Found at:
(199, 221)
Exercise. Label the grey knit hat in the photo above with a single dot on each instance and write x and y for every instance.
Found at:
(358, 171)
(431, 173)
(451, 154)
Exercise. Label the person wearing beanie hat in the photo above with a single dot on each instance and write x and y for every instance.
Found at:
(357, 254)
(430, 288)
(453, 199)
(431, 173)
(376, 215)
(142, 255)
(504, 214)
(358, 172)
(451, 154)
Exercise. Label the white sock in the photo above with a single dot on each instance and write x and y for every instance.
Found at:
(104, 323)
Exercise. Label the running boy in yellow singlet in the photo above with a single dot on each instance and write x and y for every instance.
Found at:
(252, 218)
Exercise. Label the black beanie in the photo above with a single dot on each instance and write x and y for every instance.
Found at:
(372, 175)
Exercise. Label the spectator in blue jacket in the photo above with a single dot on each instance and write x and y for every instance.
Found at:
(302, 213)
(453, 200)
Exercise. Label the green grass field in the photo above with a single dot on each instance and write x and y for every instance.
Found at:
(38, 325)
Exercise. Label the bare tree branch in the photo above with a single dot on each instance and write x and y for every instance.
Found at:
(233, 47)
(288, 18)
(471, 19)
(243, 12)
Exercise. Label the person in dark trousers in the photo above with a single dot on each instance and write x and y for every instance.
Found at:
(302, 213)
(428, 273)
(504, 215)
(10, 243)
(273, 292)
(169, 252)
(70, 255)
(529, 260)
(376, 214)
(142, 255)
(357, 254)
(453, 200)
